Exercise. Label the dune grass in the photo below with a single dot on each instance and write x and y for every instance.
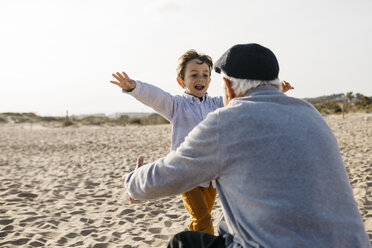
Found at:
(122, 120)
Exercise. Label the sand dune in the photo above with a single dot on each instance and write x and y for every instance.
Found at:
(61, 186)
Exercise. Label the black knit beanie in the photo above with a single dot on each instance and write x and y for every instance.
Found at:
(248, 61)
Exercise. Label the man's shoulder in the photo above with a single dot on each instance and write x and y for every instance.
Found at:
(258, 106)
(279, 97)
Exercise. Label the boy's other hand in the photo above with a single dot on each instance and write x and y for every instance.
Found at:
(286, 86)
(139, 164)
(124, 81)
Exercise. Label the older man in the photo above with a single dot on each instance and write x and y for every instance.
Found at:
(277, 166)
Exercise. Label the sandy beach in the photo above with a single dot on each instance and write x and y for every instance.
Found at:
(61, 187)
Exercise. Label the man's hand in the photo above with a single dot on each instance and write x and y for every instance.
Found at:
(139, 164)
(124, 81)
(286, 86)
(139, 161)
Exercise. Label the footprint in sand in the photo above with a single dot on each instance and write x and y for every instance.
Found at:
(156, 212)
(62, 241)
(71, 235)
(111, 210)
(172, 216)
(76, 212)
(117, 234)
(127, 211)
(138, 238)
(87, 232)
(87, 221)
(3, 234)
(27, 195)
(140, 216)
(36, 244)
(163, 237)
(79, 204)
(6, 221)
(8, 228)
(155, 230)
(17, 242)
(32, 219)
(79, 243)
(129, 219)
(100, 245)
(168, 223)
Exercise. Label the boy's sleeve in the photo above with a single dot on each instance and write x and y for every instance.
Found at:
(154, 97)
(220, 101)
(196, 161)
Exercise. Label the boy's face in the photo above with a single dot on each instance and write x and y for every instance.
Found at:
(197, 78)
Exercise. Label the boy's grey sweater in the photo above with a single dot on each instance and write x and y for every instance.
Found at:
(184, 112)
(279, 174)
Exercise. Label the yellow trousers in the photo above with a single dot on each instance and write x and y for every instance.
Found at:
(199, 203)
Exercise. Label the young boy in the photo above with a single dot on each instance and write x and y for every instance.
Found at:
(184, 112)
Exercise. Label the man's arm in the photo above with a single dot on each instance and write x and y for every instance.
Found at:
(139, 164)
(150, 95)
(196, 161)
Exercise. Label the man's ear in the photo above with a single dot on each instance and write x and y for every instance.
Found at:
(230, 94)
(180, 82)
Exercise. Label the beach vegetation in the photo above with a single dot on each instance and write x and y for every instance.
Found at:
(96, 120)
(329, 107)
(67, 122)
(3, 119)
(342, 103)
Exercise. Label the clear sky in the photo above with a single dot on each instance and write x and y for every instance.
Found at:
(58, 55)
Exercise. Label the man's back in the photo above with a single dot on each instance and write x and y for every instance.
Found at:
(283, 183)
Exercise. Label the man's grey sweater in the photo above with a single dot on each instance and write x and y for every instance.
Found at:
(279, 174)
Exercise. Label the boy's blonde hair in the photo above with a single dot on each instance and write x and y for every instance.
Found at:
(190, 55)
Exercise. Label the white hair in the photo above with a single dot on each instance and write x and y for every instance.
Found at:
(242, 86)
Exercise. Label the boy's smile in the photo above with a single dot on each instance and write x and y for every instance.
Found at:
(197, 78)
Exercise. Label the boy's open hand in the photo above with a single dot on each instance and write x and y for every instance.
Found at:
(123, 81)
(286, 86)
(139, 164)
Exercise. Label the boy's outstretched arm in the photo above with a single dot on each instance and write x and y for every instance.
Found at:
(124, 81)
(150, 95)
